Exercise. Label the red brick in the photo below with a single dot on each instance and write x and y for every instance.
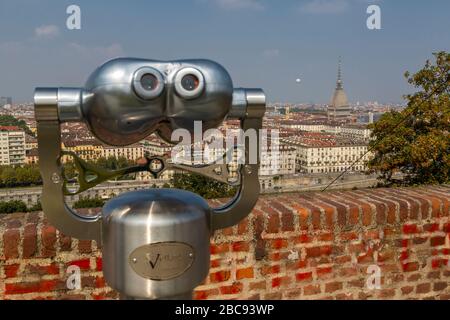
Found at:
(246, 273)
(407, 290)
(447, 227)
(227, 231)
(265, 270)
(28, 287)
(83, 264)
(240, 246)
(99, 264)
(219, 276)
(48, 241)
(219, 248)
(410, 228)
(439, 286)
(279, 243)
(273, 296)
(333, 286)
(205, 294)
(318, 251)
(259, 285)
(303, 276)
(303, 238)
(29, 241)
(434, 275)
(348, 272)
(280, 281)
(273, 224)
(11, 241)
(311, 290)
(423, 288)
(84, 246)
(326, 237)
(323, 271)
(232, 289)
(65, 242)
(431, 227)
(366, 214)
(356, 283)
(43, 270)
(343, 259)
(348, 236)
(437, 263)
(11, 270)
(410, 266)
(437, 241)
(386, 293)
(353, 215)
(243, 226)
(100, 282)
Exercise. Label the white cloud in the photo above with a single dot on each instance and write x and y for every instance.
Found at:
(48, 31)
(240, 4)
(271, 53)
(331, 6)
(111, 51)
(325, 6)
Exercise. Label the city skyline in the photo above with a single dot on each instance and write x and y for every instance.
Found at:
(258, 41)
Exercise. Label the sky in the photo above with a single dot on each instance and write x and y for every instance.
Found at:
(262, 43)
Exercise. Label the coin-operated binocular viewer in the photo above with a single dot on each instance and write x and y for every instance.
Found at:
(155, 243)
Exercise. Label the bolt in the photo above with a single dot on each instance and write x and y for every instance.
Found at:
(191, 255)
(55, 178)
(248, 169)
(134, 260)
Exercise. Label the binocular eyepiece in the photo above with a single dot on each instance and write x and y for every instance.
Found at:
(127, 99)
(149, 245)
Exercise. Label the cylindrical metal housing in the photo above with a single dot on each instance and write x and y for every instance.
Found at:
(156, 243)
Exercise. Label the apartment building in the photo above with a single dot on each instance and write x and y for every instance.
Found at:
(12, 145)
(87, 150)
(132, 152)
(329, 154)
(153, 146)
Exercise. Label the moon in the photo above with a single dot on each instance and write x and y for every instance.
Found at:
(298, 80)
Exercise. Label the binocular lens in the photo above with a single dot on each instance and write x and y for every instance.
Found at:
(149, 82)
(190, 82)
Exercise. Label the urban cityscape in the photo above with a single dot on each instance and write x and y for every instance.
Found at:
(317, 143)
(251, 151)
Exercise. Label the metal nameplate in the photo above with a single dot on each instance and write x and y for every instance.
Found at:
(162, 260)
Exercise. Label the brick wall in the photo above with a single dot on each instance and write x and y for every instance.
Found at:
(292, 246)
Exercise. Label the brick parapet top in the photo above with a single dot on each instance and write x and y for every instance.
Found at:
(315, 210)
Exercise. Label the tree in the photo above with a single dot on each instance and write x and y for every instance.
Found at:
(89, 203)
(12, 206)
(36, 207)
(205, 187)
(8, 120)
(416, 140)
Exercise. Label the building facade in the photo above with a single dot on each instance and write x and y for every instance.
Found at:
(330, 156)
(12, 145)
(132, 152)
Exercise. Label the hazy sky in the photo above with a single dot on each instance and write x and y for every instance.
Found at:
(262, 43)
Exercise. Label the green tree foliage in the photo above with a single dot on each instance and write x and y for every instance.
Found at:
(35, 207)
(29, 175)
(13, 206)
(207, 188)
(8, 120)
(26, 175)
(419, 146)
(89, 203)
(112, 163)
